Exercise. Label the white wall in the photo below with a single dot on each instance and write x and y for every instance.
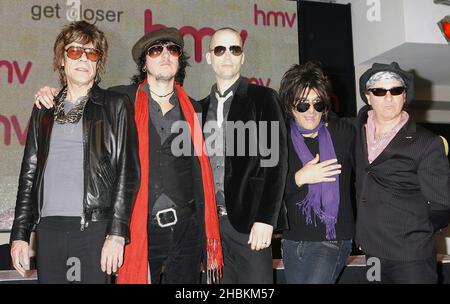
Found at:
(421, 18)
(373, 37)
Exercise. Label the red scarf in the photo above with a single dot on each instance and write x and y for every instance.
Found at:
(135, 267)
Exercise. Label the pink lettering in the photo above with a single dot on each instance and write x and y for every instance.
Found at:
(7, 122)
(272, 17)
(259, 81)
(21, 135)
(197, 34)
(14, 68)
(22, 76)
(7, 126)
(290, 21)
(198, 38)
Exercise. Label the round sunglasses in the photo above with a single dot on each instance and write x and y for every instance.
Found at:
(75, 52)
(156, 50)
(235, 50)
(304, 106)
(380, 92)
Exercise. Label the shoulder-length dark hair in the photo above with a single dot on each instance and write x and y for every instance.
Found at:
(179, 77)
(84, 33)
(298, 81)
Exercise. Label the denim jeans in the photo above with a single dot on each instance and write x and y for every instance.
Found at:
(307, 262)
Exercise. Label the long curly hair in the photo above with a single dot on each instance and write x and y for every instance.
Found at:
(84, 33)
(179, 77)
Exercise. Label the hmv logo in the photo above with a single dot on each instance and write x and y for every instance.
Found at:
(14, 71)
(197, 34)
(19, 132)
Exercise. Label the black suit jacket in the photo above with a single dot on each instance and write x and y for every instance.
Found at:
(254, 193)
(403, 195)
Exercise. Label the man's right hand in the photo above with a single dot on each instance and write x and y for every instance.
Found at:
(20, 256)
(315, 172)
(44, 97)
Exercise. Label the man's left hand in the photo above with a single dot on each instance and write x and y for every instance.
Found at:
(112, 254)
(260, 236)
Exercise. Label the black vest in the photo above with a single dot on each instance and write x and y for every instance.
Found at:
(170, 175)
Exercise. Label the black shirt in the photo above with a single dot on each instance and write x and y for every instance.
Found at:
(170, 182)
(342, 135)
(218, 161)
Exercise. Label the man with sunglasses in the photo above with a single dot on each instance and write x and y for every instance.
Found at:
(318, 241)
(175, 189)
(174, 223)
(80, 170)
(402, 180)
(248, 195)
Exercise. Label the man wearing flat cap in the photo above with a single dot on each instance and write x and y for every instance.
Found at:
(402, 180)
(174, 222)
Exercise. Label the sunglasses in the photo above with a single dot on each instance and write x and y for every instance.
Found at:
(219, 50)
(380, 92)
(304, 106)
(156, 50)
(75, 52)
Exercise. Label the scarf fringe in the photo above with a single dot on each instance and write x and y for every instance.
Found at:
(214, 261)
(311, 215)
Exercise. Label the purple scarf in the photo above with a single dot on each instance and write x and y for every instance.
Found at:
(322, 198)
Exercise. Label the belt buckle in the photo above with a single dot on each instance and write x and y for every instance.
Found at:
(221, 210)
(169, 223)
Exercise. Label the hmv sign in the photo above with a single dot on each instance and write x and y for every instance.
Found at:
(268, 29)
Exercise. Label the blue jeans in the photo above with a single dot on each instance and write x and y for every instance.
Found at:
(308, 262)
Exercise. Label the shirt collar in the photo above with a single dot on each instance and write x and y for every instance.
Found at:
(233, 88)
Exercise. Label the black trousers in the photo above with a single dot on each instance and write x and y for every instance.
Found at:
(174, 252)
(408, 272)
(242, 265)
(67, 255)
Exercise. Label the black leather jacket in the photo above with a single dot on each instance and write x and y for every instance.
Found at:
(111, 165)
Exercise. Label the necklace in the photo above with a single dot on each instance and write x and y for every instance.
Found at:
(162, 96)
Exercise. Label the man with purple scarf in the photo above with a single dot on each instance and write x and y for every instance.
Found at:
(317, 195)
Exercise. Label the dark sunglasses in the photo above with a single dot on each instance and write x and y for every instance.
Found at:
(304, 106)
(156, 50)
(75, 52)
(219, 50)
(380, 92)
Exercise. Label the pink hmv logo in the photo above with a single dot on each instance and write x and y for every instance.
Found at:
(197, 34)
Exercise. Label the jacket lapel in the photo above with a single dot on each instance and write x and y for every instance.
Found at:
(398, 143)
(241, 105)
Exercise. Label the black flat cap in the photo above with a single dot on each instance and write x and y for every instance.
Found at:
(408, 79)
(167, 33)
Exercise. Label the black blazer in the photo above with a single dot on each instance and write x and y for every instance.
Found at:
(403, 195)
(254, 193)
